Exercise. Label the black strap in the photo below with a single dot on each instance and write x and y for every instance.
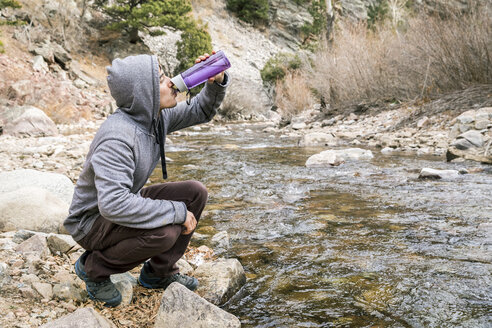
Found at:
(160, 140)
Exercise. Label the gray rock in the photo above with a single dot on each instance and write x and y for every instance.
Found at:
(38, 64)
(69, 291)
(325, 158)
(318, 139)
(387, 150)
(31, 208)
(462, 144)
(126, 276)
(428, 173)
(58, 184)
(77, 73)
(33, 122)
(60, 243)
(82, 318)
(221, 241)
(464, 127)
(44, 289)
(182, 308)
(336, 157)
(220, 280)
(482, 124)
(126, 289)
(184, 266)
(474, 137)
(19, 90)
(21, 235)
(466, 118)
(4, 274)
(299, 126)
(36, 245)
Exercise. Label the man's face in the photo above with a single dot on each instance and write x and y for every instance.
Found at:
(167, 92)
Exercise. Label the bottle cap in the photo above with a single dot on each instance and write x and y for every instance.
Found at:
(179, 83)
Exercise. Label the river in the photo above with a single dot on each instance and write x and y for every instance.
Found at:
(364, 244)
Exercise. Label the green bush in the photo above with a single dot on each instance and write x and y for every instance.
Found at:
(2, 50)
(195, 41)
(9, 3)
(251, 11)
(317, 9)
(277, 67)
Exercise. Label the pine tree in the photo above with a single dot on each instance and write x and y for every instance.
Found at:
(135, 15)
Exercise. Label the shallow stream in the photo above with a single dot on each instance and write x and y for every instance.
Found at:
(364, 244)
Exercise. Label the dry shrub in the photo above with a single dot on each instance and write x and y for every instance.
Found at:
(435, 54)
(293, 94)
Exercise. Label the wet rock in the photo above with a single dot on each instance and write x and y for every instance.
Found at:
(44, 289)
(220, 280)
(220, 241)
(33, 122)
(182, 308)
(298, 126)
(318, 139)
(69, 291)
(387, 150)
(60, 243)
(336, 157)
(324, 159)
(184, 267)
(32, 208)
(36, 245)
(82, 318)
(428, 173)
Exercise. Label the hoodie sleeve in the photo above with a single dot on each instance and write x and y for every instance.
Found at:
(202, 108)
(113, 164)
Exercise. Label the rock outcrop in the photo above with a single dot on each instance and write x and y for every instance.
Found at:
(471, 136)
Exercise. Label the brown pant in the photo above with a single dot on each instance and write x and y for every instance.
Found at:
(113, 248)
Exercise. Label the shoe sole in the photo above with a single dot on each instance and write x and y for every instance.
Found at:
(114, 302)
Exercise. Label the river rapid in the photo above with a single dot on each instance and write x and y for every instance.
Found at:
(364, 244)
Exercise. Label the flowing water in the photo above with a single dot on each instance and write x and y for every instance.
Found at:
(364, 244)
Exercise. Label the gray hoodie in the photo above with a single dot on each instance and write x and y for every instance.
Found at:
(125, 151)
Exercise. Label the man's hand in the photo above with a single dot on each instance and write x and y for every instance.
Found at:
(189, 224)
(219, 78)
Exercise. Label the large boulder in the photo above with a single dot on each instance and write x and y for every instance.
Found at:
(57, 184)
(182, 308)
(28, 121)
(220, 280)
(32, 208)
(82, 318)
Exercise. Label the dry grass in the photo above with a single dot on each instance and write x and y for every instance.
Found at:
(293, 95)
(434, 54)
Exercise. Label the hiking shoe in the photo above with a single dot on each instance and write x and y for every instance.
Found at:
(148, 280)
(104, 291)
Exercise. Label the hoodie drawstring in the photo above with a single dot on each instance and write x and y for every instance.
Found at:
(160, 141)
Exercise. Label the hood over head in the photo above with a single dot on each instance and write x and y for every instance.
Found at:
(134, 84)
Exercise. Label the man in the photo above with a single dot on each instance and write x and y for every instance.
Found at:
(120, 224)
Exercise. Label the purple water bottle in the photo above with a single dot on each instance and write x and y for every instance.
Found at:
(201, 72)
